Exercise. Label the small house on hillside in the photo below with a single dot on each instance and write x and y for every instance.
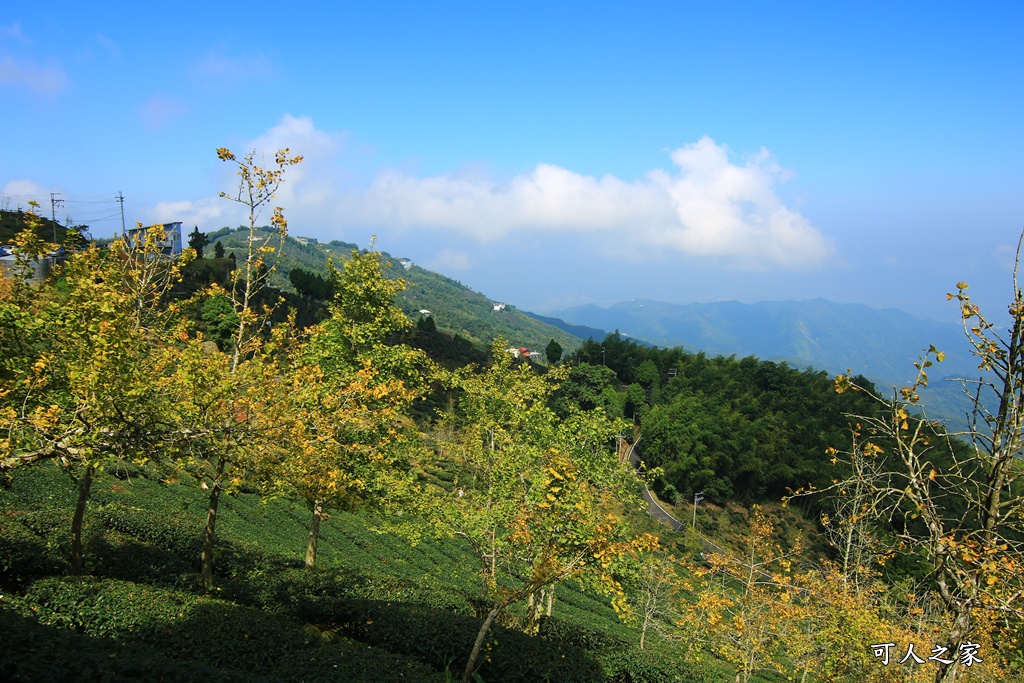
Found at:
(170, 245)
(405, 263)
(498, 306)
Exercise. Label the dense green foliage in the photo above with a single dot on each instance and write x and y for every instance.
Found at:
(198, 240)
(744, 429)
(311, 285)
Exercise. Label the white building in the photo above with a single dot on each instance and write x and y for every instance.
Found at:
(169, 246)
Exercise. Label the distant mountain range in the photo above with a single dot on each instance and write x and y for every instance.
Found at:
(881, 344)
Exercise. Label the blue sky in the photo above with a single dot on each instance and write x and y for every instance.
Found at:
(552, 156)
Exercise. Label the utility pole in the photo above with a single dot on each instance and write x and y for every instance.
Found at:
(697, 497)
(53, 212)
(120, 198)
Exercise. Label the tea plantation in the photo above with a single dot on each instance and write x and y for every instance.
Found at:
(378, 608)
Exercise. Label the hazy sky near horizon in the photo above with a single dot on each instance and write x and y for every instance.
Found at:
(550, 156)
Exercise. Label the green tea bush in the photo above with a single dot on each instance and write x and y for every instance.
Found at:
(632, 665)
(178, 533)
(42, 487)
(35, 652)
(24, 556)
(558, 629)
(118, 556)
(107, 608)
(438, 638)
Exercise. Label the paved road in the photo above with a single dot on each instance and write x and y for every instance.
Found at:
(655, 510)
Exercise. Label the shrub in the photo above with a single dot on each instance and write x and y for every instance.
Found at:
(35, 652)
(631, 665)
(438, 638)
(178, 533)
(24, 556)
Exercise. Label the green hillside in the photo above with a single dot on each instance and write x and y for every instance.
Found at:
(456, 309)
(13, 222)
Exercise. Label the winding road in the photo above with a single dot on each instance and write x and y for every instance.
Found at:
(654, 508)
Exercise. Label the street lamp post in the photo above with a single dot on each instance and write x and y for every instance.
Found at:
(697, 497)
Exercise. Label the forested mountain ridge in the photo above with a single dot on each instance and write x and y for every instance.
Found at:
(881, 344)
(819, 333)
(455, 308)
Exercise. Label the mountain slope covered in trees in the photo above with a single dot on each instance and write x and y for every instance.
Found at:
(881, 344)
(456, 309)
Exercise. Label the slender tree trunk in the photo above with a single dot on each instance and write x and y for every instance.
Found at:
(467, 675)
(947, 673)
(643, 630)
(494, 553)
(551, 599)
(314, 534)
(534, 610)
(76, 522)
(211, 524)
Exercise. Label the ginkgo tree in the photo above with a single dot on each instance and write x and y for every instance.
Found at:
(349, 388)
(257, 187)
(960, 509)
(82, 388)
(539, 500)
(227, 410)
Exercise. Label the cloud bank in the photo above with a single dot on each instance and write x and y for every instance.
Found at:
(706, 206)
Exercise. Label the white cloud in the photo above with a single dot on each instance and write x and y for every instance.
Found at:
(205, 213)
(223, 68)
(307, 191)
(109, 45)
(17, 193)
(160, 110)
(47, 80)
(310, 188)
(707, 207)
